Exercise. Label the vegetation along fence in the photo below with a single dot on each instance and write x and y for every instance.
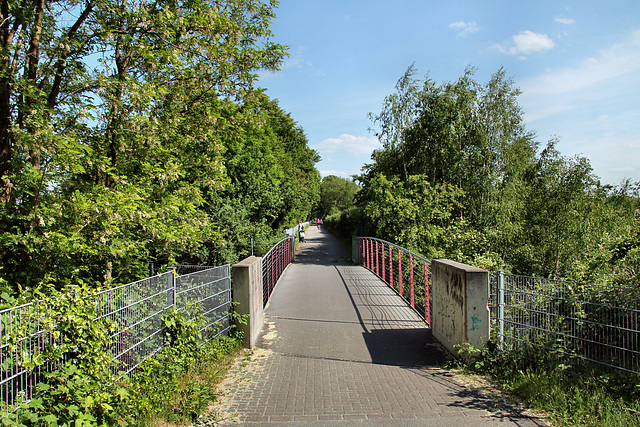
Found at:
(404, 271)
(588, 326)
(136, 309)
(274, 262)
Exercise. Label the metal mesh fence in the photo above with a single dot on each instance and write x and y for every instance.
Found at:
(16, 382)
(589, 326)
(135, 308)
(210, 289)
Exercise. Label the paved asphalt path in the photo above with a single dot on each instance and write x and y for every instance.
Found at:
(340, 348)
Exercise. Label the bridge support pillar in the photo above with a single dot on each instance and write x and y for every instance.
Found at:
(460, 304)
(247, 294)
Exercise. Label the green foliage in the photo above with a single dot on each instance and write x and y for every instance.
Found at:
(539, 379)
(459, 177)
(181, 329)
(345, 224)
(164, 151)
(179, 382)
(420, 217)
(336, 194)
(82, 390)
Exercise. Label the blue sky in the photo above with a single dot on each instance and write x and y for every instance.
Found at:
(576, 62)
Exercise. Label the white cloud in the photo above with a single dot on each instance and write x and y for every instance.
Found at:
(527, 42)
(348, 144)
(565, 21)
(592, 107)
(617, 60)
(465, 28)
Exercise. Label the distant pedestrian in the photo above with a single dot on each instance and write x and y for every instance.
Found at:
(300, 232)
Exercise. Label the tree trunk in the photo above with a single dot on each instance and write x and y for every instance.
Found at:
(6, 137)
(31, 76)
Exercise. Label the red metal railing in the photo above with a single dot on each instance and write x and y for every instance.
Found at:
(412, 270)
(274, 263)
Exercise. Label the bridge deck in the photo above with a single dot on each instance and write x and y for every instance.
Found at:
(339, 347)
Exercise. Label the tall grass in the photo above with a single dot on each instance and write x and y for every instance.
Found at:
(177, 386)
(568, 397)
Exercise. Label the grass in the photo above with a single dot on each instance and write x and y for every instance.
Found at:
(544, 385)
(574, 401)
(178, 385)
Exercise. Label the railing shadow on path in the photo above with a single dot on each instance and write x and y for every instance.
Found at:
(390, 338)
(339, 347)
(339, 294)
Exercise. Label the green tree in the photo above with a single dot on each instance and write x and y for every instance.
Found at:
(110, 129)
(540, 214)
(399, 112)
(469, 136)
(271, 179)
(336, 194)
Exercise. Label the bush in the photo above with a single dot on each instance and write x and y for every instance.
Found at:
(345, 224)
(538, 378)
(176, 384)
(180, 381)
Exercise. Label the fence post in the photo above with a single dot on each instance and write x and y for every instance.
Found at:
(400, 271)
(427, 307)
(460, 304)
(391, 266)
(354, 250)
(248, 294)
(501, 308)
(171, 287)
(292, 247)
(413, 293)
(384, 279)
(366, 253)
(363, 250)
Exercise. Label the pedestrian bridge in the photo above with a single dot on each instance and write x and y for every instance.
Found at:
(339, 346)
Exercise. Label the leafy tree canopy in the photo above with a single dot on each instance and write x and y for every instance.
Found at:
(460, 176)
(132, 131)
(336, 194)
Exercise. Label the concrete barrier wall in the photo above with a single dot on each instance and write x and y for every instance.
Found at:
(460, 304)
(247, 294)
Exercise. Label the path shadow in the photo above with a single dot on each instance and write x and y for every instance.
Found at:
(404, 347)
(394, 344)
(322, 248)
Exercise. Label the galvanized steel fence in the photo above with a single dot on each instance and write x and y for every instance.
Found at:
(293, 232)
(588, 326)
(404, 271)
(274, 263)
(135, 308)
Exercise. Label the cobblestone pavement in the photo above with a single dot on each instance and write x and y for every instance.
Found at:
(340, 348)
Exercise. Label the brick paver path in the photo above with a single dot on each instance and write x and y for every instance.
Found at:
(340, 348)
